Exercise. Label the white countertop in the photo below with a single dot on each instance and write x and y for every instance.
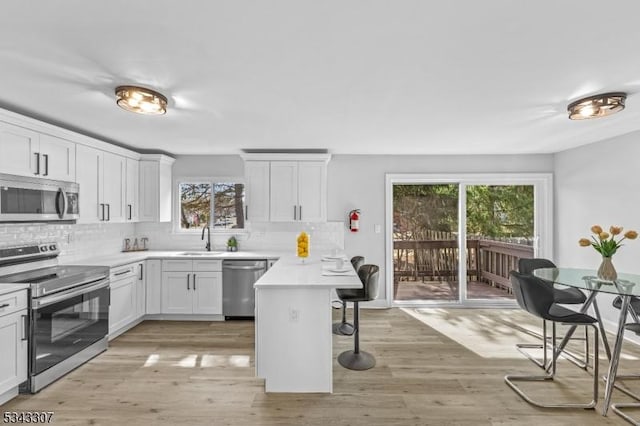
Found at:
(9, 288)
(289, 271)
(126, 258)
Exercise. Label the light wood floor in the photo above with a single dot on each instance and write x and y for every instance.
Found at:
(201, 373)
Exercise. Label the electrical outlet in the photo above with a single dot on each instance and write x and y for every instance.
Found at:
(294, 315)
(377, 228)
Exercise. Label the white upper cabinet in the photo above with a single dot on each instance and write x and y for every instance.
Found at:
(257, 191)
(155, 188)
(132, 190)
(312, 191)
(101, 176)
(286, 187)
(19, 150)
(284, 191)
(89, 167)
(28, 153)
(57, 158)
(114, 185)
(298, 191)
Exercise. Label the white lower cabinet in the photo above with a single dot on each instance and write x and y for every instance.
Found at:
(13, 343)
(153, 286)
(192, 287)
(141, 290)
(128, 294)
(123, 304)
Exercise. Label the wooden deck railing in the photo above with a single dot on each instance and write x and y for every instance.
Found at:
(487, 260)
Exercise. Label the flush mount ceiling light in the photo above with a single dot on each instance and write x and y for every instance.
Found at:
(141, 100)
(597, 106)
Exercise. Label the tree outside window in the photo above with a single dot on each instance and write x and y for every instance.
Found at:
(197, 210)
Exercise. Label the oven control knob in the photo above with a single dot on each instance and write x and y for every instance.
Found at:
(43, 248)
(52, 247)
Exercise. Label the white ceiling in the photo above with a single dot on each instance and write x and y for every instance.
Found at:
(357, 76)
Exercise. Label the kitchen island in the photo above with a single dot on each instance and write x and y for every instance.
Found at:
(293, 325)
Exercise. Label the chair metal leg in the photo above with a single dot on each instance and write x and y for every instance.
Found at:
(618, 407)
(570, 356)
(511, 379)
(343, 328)
(356, 359)
(591, 301)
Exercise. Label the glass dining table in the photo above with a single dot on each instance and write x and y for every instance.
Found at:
(626, 286)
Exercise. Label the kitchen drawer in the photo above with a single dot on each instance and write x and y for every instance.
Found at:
(177, 265)
(122, 272)
(207, 265)
(13, 302)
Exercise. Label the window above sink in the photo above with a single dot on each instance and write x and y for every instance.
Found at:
(217, 203)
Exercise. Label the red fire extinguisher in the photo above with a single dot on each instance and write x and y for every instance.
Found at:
(354, 220)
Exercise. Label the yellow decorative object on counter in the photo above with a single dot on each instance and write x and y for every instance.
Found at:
(303, 245)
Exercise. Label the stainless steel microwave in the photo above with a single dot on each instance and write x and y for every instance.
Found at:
(26, 199)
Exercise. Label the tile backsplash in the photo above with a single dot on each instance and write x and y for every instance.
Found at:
(78, 241)
(261, 236)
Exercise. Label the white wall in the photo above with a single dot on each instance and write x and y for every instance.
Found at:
(598, 184)
(358, 181)
(354, 181)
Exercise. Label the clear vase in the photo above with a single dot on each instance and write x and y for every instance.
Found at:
(607, 271)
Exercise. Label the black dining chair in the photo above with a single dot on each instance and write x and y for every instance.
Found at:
(538, 298)
(634, 310)
(565, 296)
(357, 359)
(344, 328)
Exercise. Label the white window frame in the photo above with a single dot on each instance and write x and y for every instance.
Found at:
(208, 180)
(543, 224)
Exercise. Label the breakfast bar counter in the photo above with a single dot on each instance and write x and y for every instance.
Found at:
(293, 325)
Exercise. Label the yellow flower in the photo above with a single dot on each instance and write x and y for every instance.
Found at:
(603, 235)
(615, 230)
(584, 242)
(630, 234)
(596, 229)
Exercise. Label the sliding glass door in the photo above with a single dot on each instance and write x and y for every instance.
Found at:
(454, 241)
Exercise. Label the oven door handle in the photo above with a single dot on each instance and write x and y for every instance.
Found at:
(57, 297)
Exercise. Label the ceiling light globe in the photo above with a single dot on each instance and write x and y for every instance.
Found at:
(597, 106)
(141, 100)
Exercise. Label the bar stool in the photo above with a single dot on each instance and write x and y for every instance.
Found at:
(569, 296)
(344, 328)
(537, 297)
(357, 359)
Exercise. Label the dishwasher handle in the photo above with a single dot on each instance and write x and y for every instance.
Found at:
(244, 268)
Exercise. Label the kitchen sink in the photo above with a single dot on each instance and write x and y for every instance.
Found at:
(199, 253)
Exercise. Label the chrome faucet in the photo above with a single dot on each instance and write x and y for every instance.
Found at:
(208, 245)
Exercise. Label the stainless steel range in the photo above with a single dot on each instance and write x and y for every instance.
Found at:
(68, 310)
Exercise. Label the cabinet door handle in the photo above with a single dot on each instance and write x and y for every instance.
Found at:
(117, 274)
(37, 154)
(246, 212)
(130, 212)
(4, 305)
(46, 165)
(25, 326)
(141, 272)
(194, 281)
(102, 213)
(108, 212)
(300, 214)
(295, 211)
(188, 288)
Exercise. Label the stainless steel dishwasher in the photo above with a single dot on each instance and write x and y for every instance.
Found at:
(238, 295)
